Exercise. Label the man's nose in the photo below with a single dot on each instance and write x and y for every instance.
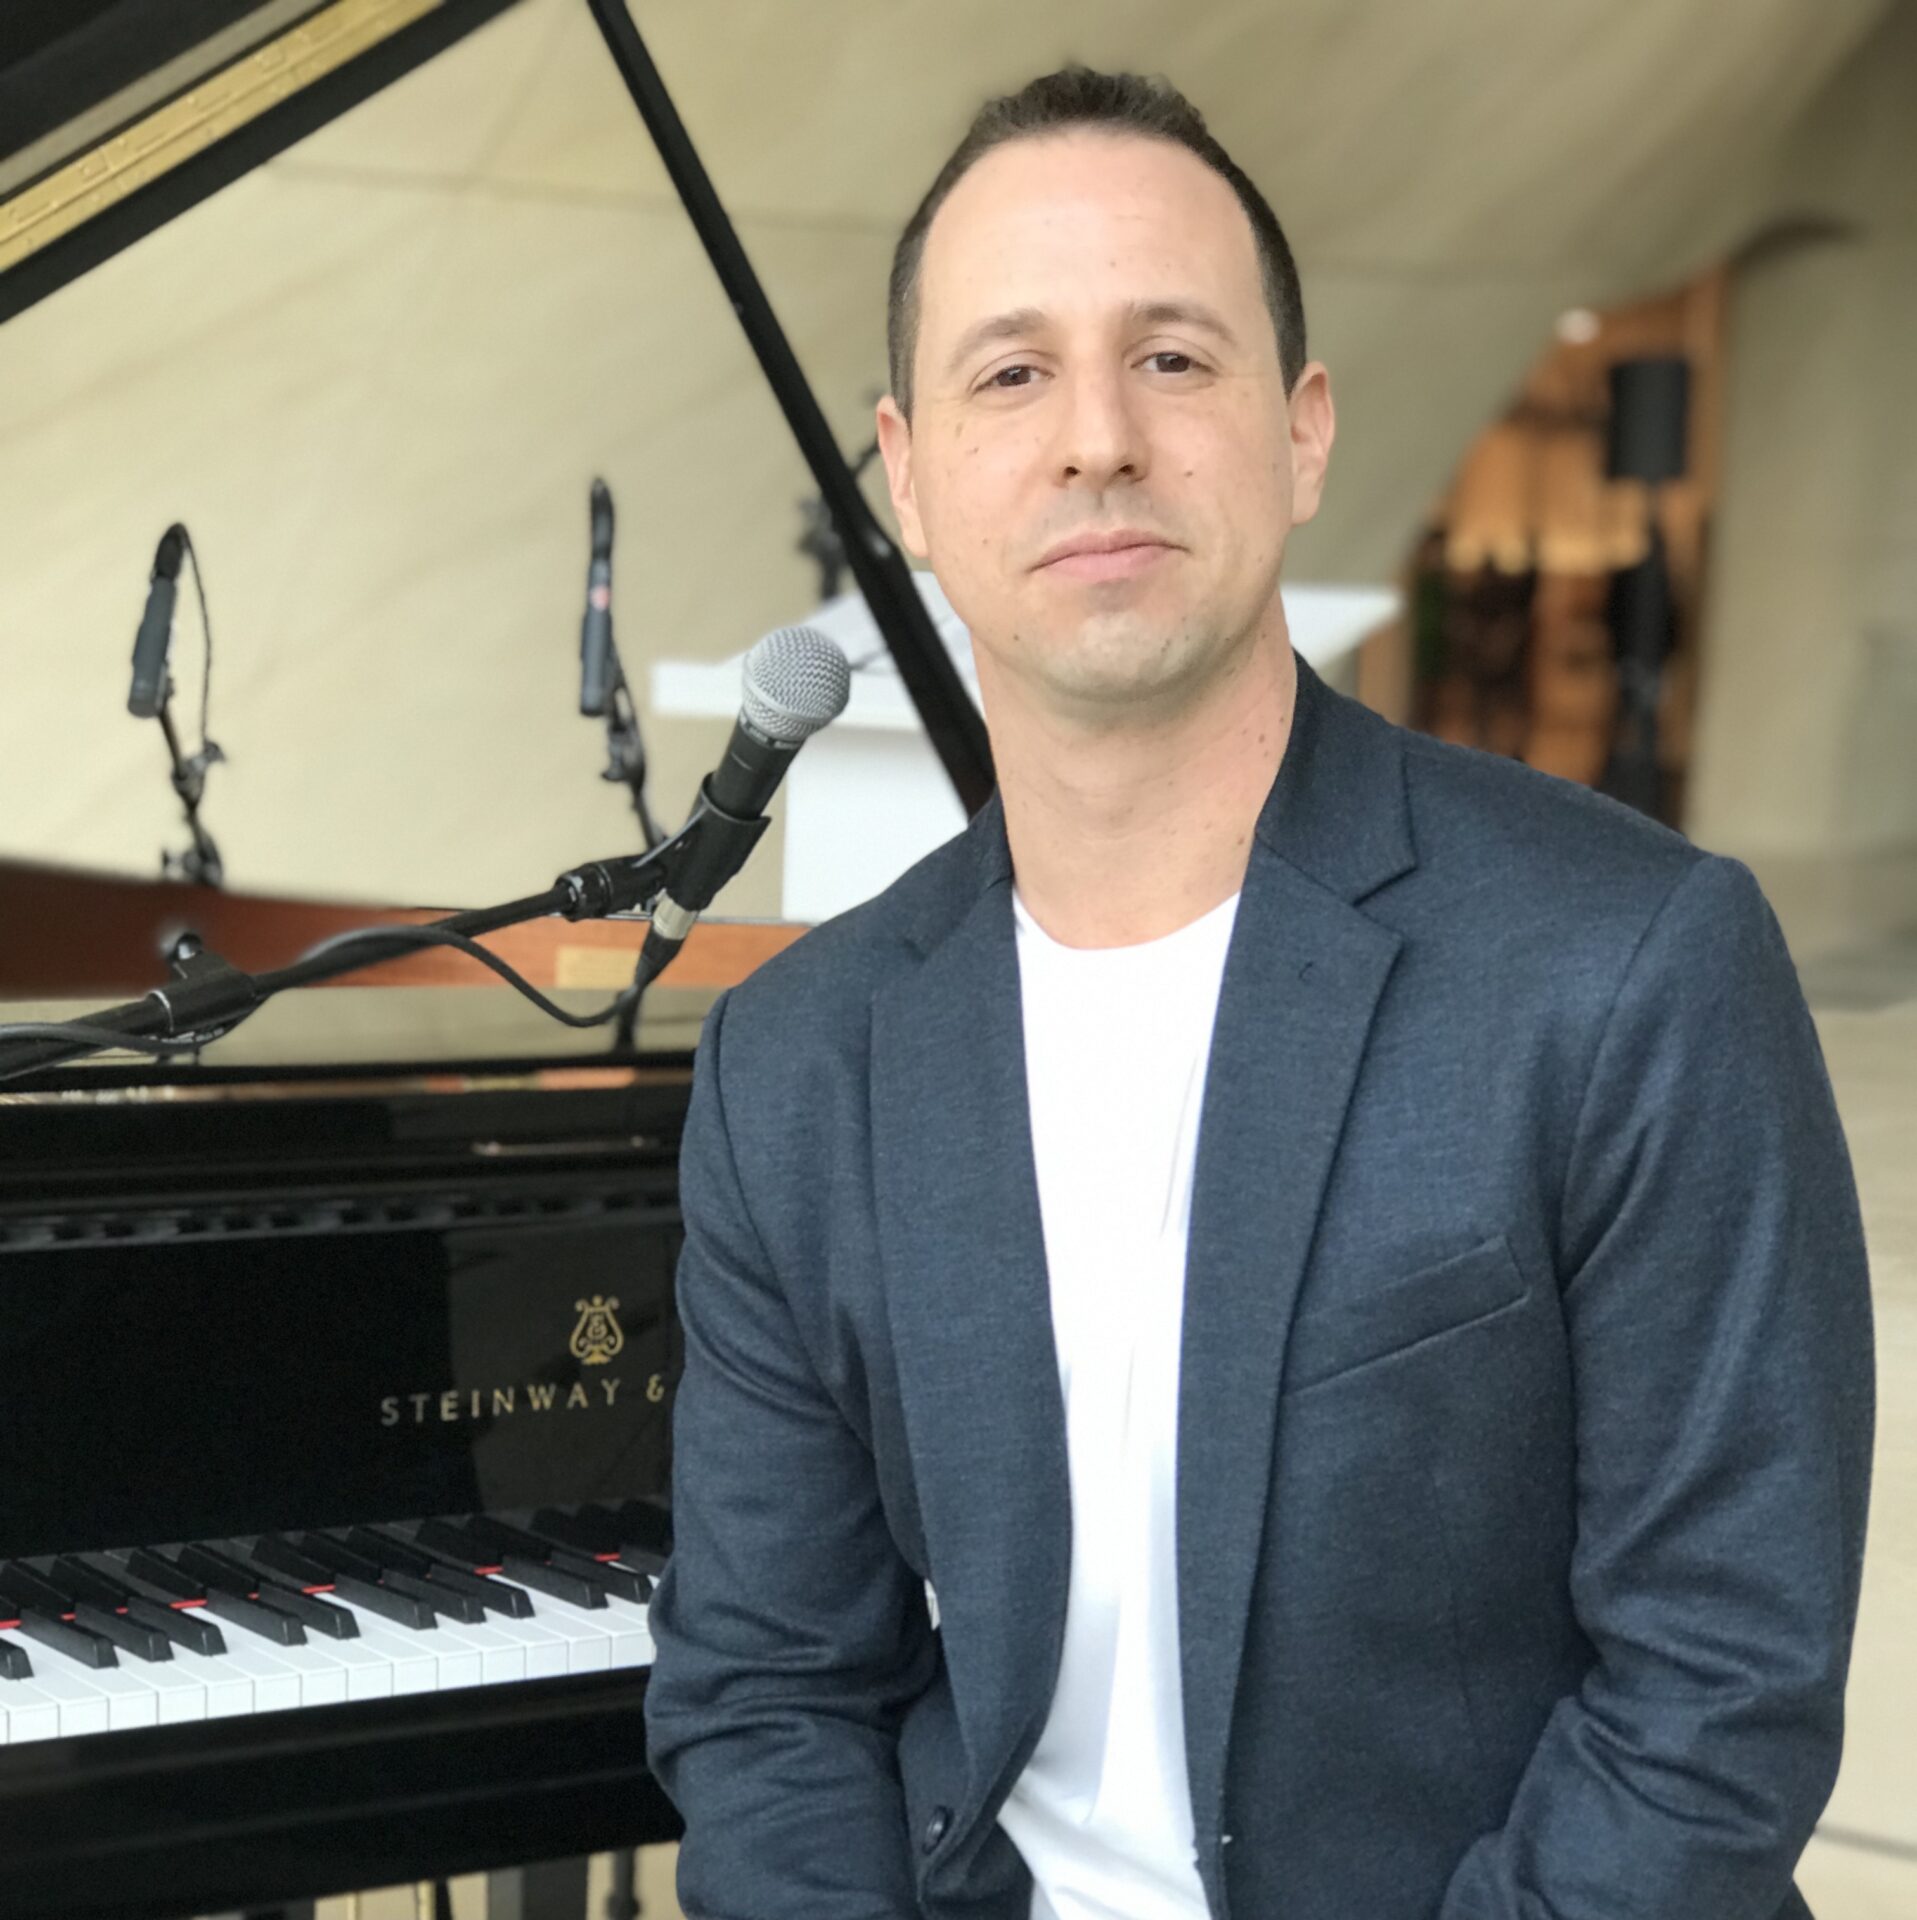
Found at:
(1100, 436)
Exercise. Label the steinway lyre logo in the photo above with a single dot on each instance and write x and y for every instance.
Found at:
(597, 1337)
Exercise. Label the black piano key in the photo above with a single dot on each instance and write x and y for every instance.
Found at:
(643, 1543)
(14, 1664)
(308, 1609)
(216, 1569)
(80, 1583)
(88, 1649)
(512, 1547)
(500, 1537)
(497, 1596)
(144, 1643)
(337, 1556)
(117, 1572)
(104, 1584)
(546, 1579)
(401, 1608)
(643, 1523)
(270, 1624)
(285, 1594)
(20, 1586)
(455, 1606)
(283, 1557)
(619, 1581)
(456, 1539)
(388, 1549)
(186, 1627)
(583, 1532)
(164, 1576)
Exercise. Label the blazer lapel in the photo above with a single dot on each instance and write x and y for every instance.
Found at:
(969, 1304)
(1302, 981)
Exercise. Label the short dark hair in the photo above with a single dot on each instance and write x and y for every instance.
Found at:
(1078, 96)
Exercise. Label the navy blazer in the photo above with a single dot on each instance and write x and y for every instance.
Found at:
(1526, 1393)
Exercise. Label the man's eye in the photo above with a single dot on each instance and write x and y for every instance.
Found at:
(1185, 360)
(999, 379)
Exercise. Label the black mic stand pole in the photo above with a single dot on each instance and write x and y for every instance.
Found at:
(207, 996)
(201, 861)
(626, 751)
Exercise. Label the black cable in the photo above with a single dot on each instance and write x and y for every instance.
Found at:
(206, 635)
(432, 936)
(401, 936)
(104, 1038)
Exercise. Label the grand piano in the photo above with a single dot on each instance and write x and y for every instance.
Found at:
(337, 1372)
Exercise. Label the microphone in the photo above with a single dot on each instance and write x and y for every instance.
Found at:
(148, 692)
(595, 633)
(796, 681)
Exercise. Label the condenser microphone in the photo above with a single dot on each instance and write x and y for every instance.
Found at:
(148, 692)
(595, 632)
(796, 681)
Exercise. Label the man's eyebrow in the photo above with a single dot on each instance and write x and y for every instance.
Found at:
(1140, 313)
(1180, 313)
(1001, 326)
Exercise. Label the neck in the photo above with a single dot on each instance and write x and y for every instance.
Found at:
(1120, 835)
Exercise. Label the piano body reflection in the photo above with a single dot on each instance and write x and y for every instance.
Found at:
(338, 1362)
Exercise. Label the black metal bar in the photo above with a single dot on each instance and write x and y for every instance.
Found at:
(954, 724)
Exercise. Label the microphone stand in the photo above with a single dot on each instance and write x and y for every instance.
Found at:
(201, 862)
(626, 751)
(207, 996)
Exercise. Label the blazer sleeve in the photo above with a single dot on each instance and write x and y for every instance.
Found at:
(1718, 1306)
(790, 1634)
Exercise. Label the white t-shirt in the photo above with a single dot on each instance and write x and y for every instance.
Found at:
(1116, 1040)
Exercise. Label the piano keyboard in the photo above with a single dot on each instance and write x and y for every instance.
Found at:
(95, 1643)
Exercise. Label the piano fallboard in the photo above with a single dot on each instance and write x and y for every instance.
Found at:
(237, 1315)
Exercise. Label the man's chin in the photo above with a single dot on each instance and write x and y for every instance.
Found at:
(1118, 674)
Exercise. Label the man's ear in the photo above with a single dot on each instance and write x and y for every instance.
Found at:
(895, 449)
(1314, 424)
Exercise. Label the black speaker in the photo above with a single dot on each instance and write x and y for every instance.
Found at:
(1650, 402)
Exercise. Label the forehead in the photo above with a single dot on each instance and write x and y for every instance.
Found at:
(1080, 218)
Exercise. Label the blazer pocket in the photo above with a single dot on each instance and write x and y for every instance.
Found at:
(1359, 1330)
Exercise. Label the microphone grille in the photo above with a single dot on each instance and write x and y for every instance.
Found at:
(796, 681)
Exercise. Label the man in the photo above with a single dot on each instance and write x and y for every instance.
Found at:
(1331, 1256)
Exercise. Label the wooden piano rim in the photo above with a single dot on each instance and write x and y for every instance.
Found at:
(71, 934)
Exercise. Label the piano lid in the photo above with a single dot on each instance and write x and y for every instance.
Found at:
(117, 115)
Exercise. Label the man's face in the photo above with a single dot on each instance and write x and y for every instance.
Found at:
(1095, 358)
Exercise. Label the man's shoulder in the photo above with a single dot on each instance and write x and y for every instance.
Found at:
(1524, 844)
(828, 977)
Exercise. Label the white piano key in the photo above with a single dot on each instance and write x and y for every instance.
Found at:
(28, 1712)
(423, 1660)
(129, 1704)
(229, 1692)
(545, 1650)
(412, 1668)
(322, 1678)
(81, 1709)
(182, 1697)
(276, 1687)
(500, 1658)
(620, 1625)
(369, 1676)
(177, 1698)
(588, 1648)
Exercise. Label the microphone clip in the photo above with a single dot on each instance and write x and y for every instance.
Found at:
(692, 865)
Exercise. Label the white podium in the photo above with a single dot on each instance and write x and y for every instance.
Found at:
(868, 797)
